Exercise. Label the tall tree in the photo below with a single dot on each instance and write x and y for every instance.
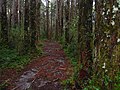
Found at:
(47, 19)
(57, 20)
(67, 17)
(72, 10)
(4, 22)
(26, 27)
(15, 13)
(62, 17)
(89, 34)
(33, 24)
(85, 38)
(51, 29)
(38, 16)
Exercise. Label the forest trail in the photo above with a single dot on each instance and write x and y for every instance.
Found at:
(46, 72)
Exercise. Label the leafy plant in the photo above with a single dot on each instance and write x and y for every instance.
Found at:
(9, 58)
(68, 83)
(117, 84)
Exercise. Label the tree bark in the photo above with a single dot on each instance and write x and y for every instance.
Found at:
(33, 23)
(26, 27)
(38, 15)
(4, 22)
(67, 17)
(47, 17)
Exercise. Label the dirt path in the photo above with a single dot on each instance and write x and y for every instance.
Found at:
(46, 72)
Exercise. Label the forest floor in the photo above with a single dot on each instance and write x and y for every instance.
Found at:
(45, 72)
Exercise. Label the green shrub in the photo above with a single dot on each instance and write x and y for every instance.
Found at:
(9, 58)
(117, 80)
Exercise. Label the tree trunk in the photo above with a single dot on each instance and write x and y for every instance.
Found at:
(47, 17)
(26, 27)
(62, 17)
(38, 5)
(33, 23)
(4, 23)
(67, 17)
(15, 13)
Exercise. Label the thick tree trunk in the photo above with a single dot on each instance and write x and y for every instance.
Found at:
(89, 32)
(33, 23)
(84, 36)
(38, 9)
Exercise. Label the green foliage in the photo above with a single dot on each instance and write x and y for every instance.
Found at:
(68, 83)
(92, 85)
(9, 58)
(37, 52)
(71, 51)
(117, 79)
(43, 35)
(96, 81)
(62, 41)
(16, 38)
(73, 28)
(71, 48)
(91, 88)
(106, 80)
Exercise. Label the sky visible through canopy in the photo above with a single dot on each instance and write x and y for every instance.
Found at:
(44, 1)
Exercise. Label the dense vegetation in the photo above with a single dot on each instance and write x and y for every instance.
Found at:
(89, 31)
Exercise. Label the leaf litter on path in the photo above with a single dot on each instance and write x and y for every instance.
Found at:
(45, 73)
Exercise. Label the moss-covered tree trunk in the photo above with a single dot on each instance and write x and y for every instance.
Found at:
(85, 38)
(89, 35)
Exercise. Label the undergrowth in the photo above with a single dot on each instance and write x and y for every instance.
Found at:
(71, 51)
(9, 58)
(93, 83)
